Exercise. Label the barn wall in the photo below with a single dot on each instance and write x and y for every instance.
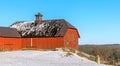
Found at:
(10, 43)
(43, 42)
(1, 42)
(71, 39)
(48, 43)
(25, 42)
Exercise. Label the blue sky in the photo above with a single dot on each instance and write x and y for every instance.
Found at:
(98, 21)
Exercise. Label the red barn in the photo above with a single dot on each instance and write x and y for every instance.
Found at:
(39, 34)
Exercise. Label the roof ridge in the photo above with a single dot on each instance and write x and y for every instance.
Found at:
(42, 20)
(69, 25)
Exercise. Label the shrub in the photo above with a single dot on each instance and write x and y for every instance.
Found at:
(29, 49)
(68, 54)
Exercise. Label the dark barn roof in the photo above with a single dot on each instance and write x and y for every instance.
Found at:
(48, 28)
(8, 32)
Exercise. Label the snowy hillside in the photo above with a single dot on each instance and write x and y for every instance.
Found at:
(42, 58)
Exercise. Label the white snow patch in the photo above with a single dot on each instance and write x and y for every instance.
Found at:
(43, 58)
(27, 28)
(22, 25)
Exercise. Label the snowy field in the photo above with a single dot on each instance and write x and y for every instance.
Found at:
(43, 58)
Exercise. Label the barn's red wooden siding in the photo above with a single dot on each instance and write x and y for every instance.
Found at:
(48, 42)
(1, 42)
(43, 42)
(25, 42)
(10, 43)
(71, 39)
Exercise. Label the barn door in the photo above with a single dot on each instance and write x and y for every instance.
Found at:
(8, 47)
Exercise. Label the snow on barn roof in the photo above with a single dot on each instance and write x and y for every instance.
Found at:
(47, 28)
(8, 32)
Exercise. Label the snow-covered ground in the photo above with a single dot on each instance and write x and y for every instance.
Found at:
(43, 58)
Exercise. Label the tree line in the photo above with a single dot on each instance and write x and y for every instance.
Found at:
(109, 54)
